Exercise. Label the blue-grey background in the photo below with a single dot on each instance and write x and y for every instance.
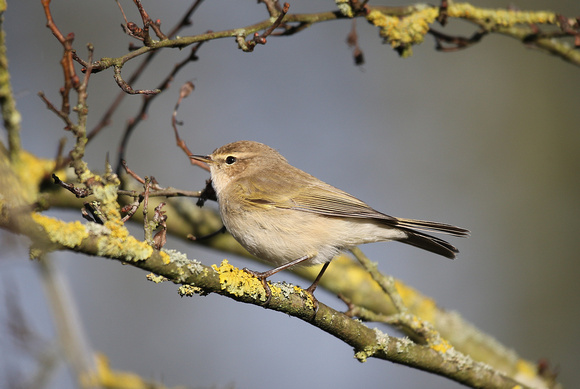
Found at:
(487, 138)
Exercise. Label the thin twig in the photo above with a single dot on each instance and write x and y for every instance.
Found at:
(273, 7)
(71, 79)
(127, 88)
(248, 46)
(78, 192)
(458, 42)
(65, 117)
(163, 192)
(143, 181)
(146, 225)
(106, 118)
(184, 91)
(132, 124)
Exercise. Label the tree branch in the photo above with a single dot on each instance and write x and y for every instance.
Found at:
(11, 116)
(114, 242)
(401, 27)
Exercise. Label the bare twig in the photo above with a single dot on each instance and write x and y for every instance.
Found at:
(148, 22)
(106, 118)
(132, 124)
(248, 46)
(92, 212)
(443, 16)
(163, 192)
(155, 190)
(64, 116)
(146, 226)
(128, 89)
(59, 157)
(130, 209)
(71, 79)
(273, 7)
(78, 192)
(359, 8)
(457, 42)
(185, 91)
(141, 33)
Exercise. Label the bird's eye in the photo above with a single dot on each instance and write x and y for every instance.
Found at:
(230, 160)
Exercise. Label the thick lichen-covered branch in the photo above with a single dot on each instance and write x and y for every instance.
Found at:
(10, 115)
(112, 240)
(402, 32)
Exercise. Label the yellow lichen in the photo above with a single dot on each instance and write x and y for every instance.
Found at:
(365, 353)
(128, 249)
(402, 32)
(117, 228)
(442, 346)
(105, 377)
(499, 17)
(107, 197)
(189, 290)
(239, 282)
(525, 369)
(165, 258)
(420, 305)
(155, 278)
(31, 171)
(114, 245)
(68, 234)
(106, 193)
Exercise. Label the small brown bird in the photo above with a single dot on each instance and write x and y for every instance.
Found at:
(287, 217)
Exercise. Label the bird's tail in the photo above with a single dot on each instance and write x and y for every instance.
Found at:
(428, 242)
(432, 227)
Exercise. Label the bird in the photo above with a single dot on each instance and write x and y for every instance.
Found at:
(288, 217)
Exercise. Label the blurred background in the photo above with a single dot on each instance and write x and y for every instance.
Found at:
(486, 138)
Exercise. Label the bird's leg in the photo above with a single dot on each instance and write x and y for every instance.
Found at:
(312, 287)
(262, 276)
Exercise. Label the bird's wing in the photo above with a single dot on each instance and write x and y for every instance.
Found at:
(330, 201)
(308, 194)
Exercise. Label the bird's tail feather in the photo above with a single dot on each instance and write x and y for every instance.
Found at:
(430, 243)
(432, 227)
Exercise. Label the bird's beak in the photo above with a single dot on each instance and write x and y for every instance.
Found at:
(202, 158)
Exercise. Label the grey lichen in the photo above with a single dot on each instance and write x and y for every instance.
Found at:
(381, 344)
